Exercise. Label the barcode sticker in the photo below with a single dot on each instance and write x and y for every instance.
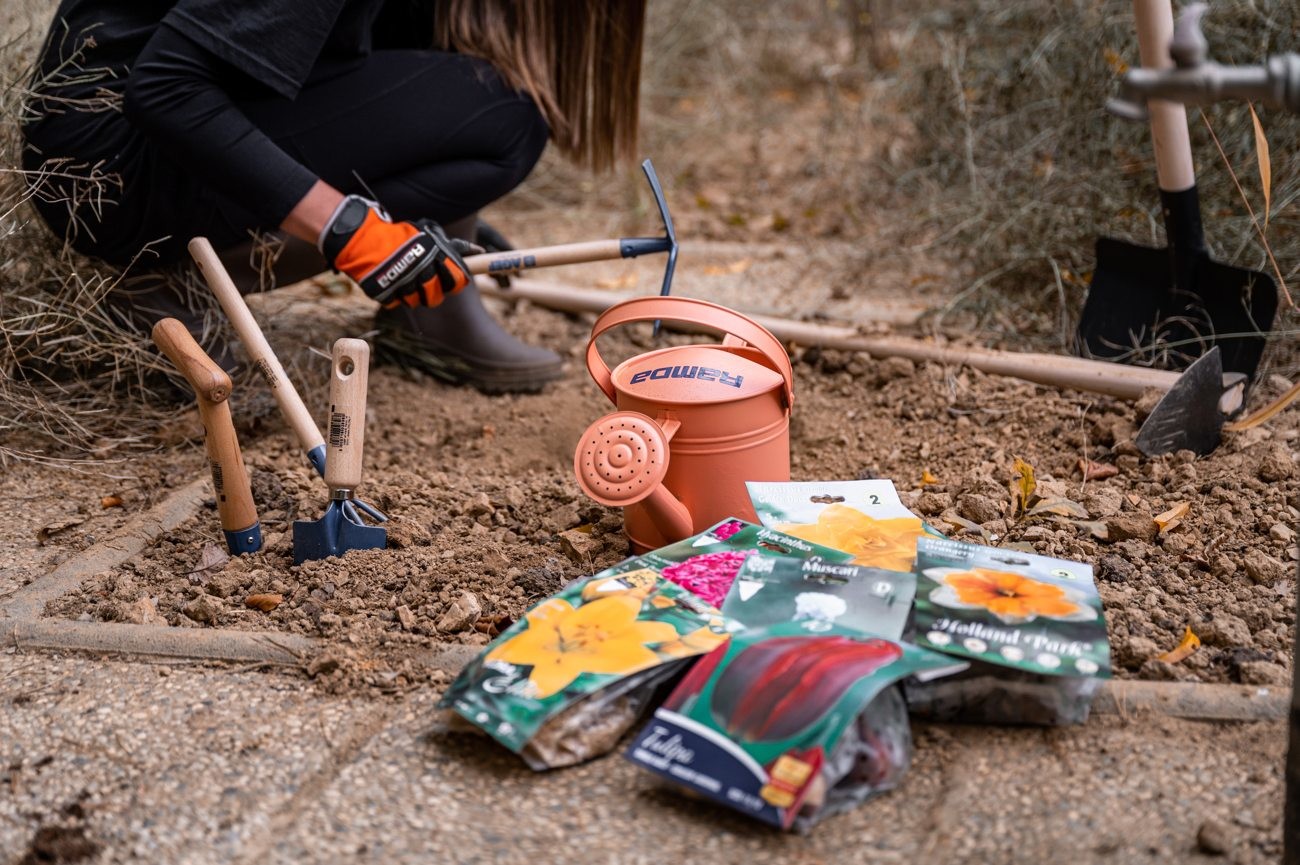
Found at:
(340, 430)
(218, 483)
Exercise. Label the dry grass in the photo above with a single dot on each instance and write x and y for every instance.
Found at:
(968, 139)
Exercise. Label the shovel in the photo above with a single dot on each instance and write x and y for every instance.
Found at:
(1145, 299)
(341, 528)
(212, 387)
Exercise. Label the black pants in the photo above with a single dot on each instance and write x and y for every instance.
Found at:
(433, 134)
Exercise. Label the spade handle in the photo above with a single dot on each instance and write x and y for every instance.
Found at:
(210, 382)
(345, 439)
(1173, 145)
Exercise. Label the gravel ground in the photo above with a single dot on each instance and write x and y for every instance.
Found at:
(150, 763)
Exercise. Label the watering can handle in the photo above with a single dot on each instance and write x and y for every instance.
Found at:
(687, 310)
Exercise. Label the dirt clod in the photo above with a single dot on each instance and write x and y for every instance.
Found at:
(1132, 526)
(1276, 465)
(205, 609)
(1262, 673)
(1213, 837)
(978, 508)
(581, 547)
(59, 844)
(463, 612)
(1224, 630)
(1262, 568)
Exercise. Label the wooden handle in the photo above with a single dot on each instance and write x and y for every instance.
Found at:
(259, 350)
(210, 382)
(349, 377)
(1173, 145)
(229, 476)
(514, 260)
(1094, 376)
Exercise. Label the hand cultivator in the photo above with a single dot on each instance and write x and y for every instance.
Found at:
(341, 528)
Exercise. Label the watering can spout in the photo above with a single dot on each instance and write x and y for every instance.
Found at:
(668, 514)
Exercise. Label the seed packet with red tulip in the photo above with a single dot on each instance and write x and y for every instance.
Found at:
(866, 519)
(707, 563)
(789, 726)
(818, 594)
(1032, 625)
(564, 683)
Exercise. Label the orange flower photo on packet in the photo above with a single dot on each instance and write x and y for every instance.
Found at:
(1011, 595)
(875, 543)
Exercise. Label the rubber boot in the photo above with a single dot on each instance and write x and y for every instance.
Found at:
(459, 341)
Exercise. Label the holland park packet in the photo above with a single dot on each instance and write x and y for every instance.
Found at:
(818, 594)
(789, 726)
(707, 563)
(564, 683)
(1032, 627)
(866, 519)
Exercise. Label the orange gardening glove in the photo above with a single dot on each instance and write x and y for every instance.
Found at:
(396, 263)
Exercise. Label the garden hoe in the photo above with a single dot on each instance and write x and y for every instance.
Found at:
(264, 359)
(212, 387)
(341, 528)
(1177, 298)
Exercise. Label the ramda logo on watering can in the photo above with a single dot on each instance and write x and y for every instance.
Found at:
(700, 373)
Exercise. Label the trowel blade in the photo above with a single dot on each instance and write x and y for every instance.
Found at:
(1188, 416)
(333, 535)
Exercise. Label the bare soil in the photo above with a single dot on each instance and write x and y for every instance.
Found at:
(482, 501)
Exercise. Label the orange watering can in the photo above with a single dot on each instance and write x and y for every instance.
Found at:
(694, 422)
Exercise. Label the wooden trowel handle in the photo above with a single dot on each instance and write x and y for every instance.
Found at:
(1173, 145)
(259, 350)
(210, 382)
(345, 441)
(212, 386)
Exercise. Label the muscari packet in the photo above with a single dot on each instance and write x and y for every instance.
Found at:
(789, 726)
(565, 682)
(1032, 626)
(707, 563)
(863, 518)
(818, 594)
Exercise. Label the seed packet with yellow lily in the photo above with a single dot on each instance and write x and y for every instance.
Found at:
(565, 682)
(1032, 626)
(865, 519)
(707, 563)
(818, 594)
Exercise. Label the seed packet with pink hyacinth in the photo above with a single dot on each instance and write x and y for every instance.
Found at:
(707, 563)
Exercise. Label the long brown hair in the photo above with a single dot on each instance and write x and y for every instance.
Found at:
(580, 60)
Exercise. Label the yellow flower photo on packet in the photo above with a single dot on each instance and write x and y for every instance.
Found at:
(865, 519)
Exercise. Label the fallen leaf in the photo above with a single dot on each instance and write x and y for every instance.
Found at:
(1096, 528)
(1059, 507)
(1265, 164)
(1022, 486)
(211, 558)
(266, 601)
(1095, 471)
(1189, 643)
(734, 267)
(110, 502)
(46, 532)
(1173, 517)
(1114, 61)
(627, 280)
(927, 478)
(489, 431)
(964, 523)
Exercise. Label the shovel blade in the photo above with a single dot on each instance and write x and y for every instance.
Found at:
(1188, 416)
(333, 535)
(1133, 310)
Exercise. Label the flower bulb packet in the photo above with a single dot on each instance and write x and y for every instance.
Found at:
(788, 726)
(865, 519)
(818, 594)
(707, 563)
(564, 683)
(1032, 626)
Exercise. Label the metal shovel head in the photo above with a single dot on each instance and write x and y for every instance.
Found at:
(1133, 310)
(1188, 416)
(333, 535)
